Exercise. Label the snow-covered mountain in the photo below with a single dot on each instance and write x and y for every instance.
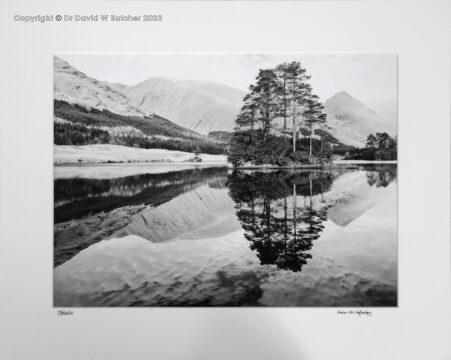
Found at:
(349, 120)
(196, 105)
(105, 108)
(75, 87)
(205, 107)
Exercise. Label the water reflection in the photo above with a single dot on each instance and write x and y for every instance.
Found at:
(78, 197)
(381, 176)
(88, 210)
(277, 212)
(209, 237)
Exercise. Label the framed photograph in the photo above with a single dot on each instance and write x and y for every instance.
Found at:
(193, 180)
(225, 180)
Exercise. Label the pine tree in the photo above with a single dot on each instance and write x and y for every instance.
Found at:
(266, 99)
(283, 74)
(298, 91)
(383, 140)
(313, 115)
(371, 141)
(248, 114)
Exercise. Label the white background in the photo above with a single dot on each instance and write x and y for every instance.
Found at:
(420, 328)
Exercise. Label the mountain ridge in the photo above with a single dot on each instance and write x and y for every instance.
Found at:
(350, 119)
(200, 106)
(75, 87)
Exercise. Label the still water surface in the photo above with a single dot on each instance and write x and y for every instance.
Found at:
(209, 237)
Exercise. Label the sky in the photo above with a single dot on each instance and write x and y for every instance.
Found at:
(370, 78)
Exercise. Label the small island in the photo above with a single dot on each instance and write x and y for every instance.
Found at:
(282, 123)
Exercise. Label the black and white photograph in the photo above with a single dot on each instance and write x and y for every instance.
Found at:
(225, 180)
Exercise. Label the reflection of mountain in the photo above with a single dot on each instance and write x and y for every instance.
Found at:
(353, 198)
(215, 258)
(91, 210)
(203, 211)
(352, 194)
(75, 198)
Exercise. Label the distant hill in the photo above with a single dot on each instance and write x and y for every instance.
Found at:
(188, 108)
(199, 106)
(349, 120)
(211, 107)
(89, 111)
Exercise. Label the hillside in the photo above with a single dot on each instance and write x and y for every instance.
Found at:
(199, 106)
(89, 111)
(75, 87)
(211, 107)
(149, 125)
(349, 120)
(186, 108)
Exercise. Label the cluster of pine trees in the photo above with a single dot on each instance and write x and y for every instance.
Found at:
(379, 146)
(78, 134)
(186, 145)
(381, 141)
(82, 127)
(283, 94)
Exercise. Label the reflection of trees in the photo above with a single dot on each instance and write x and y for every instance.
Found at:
(381, 176)
(89, 210)
(79, 197)
(277, 226)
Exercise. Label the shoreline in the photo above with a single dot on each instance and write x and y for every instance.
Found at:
(338, 162)
(139, 163)
(222, 164)
(118, 154)
(333, 165)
